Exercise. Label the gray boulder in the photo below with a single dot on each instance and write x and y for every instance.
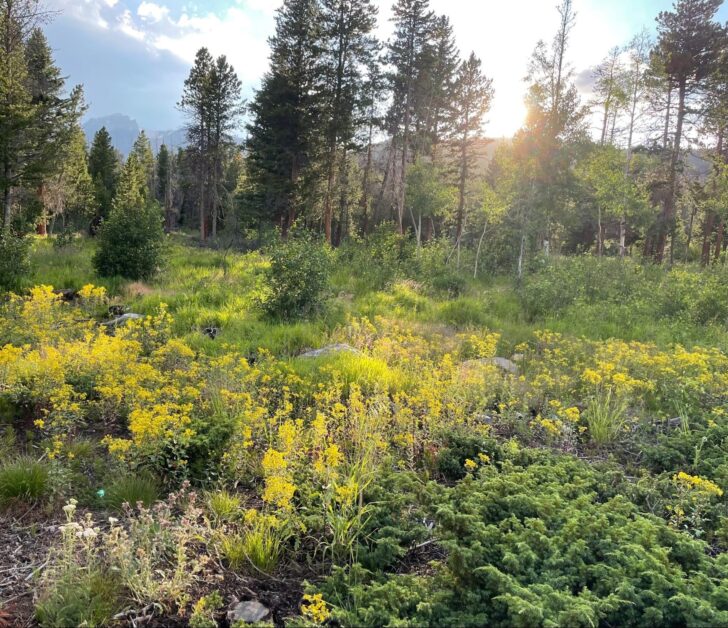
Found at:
(122, 320)
(250, 612)
(506, 365)
(330, 350)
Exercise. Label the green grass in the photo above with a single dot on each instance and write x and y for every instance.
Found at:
(207, 287)
(131, 489)
(23, 479)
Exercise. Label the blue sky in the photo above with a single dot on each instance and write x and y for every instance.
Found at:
(132, 56)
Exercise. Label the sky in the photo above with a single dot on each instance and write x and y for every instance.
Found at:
(132, 56)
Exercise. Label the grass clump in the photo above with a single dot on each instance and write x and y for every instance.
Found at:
(132, 489)
(24, 479)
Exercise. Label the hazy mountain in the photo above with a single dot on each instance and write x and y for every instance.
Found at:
(124, 130)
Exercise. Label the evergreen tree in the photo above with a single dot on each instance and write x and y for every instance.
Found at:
(283, 142)
(409, 54)
(212, 102)
(439, 93)
(195, 103)
(688, 47)
(103, 165)
(347, 50)
(69, 193)
(142, 149)
(132, 190)
(472, 97)
(225, 109)
(36, 118)
(165, 181)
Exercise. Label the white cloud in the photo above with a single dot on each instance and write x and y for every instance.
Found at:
(151, 12)
(125, 23)
(502, 34)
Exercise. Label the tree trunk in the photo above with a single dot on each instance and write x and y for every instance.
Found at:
(364, 200)
(719, 240)
(707, 237)
(462, 182)
(477, 253)
(668, 215)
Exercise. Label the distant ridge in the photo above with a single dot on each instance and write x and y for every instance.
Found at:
(124, 130)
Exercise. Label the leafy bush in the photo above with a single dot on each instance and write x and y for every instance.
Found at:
(24, 479)
(298, 278)
(131, 243)
(132, 489)
(14, 261)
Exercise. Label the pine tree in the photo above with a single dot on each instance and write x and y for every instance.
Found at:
(132, 190)
(212, 102)
(165, 184)
(36, 118)
(472, 97)
(439, 93)
(409, 54)
(225, 109)
(283, 141)
(55, 121)
(103, 165)
(688, 47)
(69, 193)
(142, 149)
(195, 104)
(347, 49)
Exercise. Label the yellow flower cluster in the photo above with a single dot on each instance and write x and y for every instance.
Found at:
(696, 483)
(314, 608)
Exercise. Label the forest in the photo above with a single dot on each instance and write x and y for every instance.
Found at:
(346, 359)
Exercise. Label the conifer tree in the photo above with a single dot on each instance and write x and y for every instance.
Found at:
(103, 165)
(472, 97)
(347, 48)
(409, 54)
(142, 149)
(283, 142)
(688, 47)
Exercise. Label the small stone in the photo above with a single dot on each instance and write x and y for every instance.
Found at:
(502, 363)
(122, 320)
(518, 357)
(249, 612)
(330, 350)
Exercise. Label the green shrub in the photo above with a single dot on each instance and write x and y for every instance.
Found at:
(298, 278)
(23, 479)
(131, 243)
(14, 261)
(132, 489)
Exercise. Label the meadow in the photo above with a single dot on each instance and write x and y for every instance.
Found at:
(460, 452)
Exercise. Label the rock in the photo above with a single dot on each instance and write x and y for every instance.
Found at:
(502, 363)
(211, 332)
(122, 320)
(330, 350)
(518, 357)
(249, 612)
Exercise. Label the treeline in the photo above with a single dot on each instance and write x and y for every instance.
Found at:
(347, 133)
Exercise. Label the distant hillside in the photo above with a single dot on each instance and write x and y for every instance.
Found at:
(124, 130)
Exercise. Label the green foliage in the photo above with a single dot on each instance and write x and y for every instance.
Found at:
(606, 416)
(131, 242)
(298, 278)
(131, 489)
(24, 479)
(224, 506)
(538, 539)
(80, 598)
(14, 261)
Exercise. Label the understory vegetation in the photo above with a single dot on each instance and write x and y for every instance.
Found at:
(453, 455)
